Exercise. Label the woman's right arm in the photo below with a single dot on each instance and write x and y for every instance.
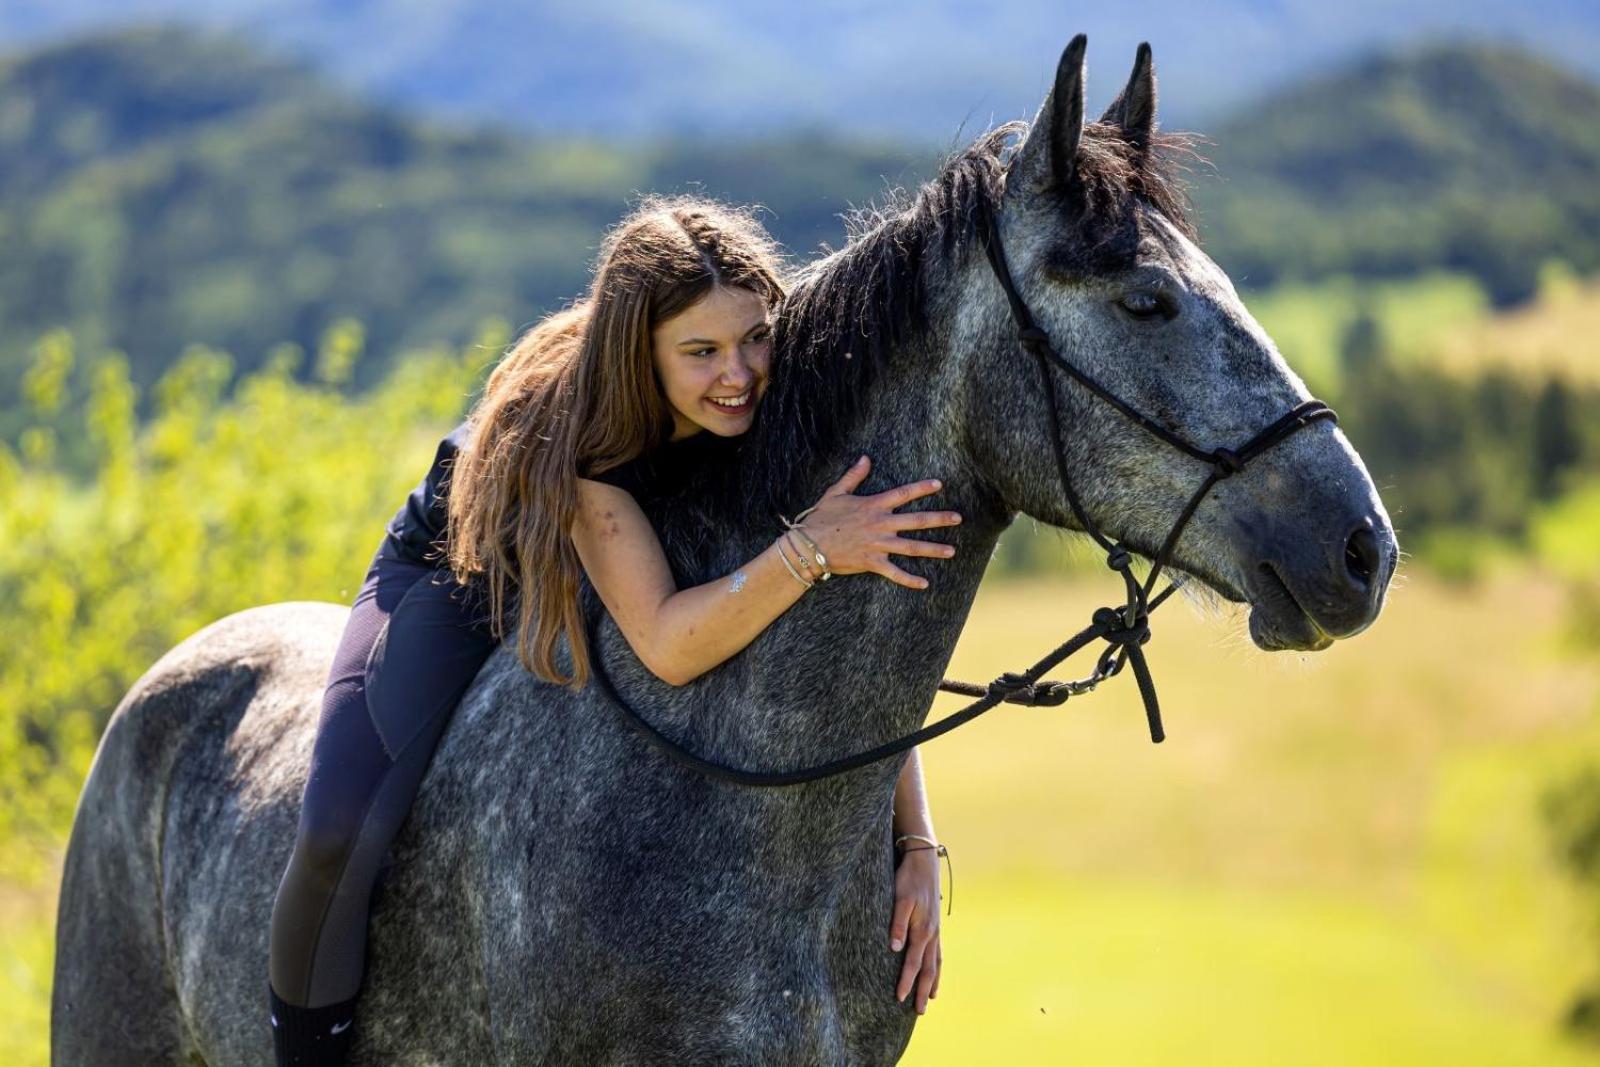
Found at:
(681, 634)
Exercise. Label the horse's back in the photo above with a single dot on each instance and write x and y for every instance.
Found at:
(217, 731)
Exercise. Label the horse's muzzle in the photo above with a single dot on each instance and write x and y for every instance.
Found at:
(1305, 594)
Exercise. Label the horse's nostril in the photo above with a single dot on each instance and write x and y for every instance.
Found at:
(1362, 556)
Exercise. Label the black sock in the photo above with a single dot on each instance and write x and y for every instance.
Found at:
(310, 1037)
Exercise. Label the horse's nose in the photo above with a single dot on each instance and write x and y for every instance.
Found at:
(1363, 556)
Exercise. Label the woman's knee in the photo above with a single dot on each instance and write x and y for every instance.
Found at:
(324, 844)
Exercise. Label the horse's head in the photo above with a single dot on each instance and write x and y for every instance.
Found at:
(1092, 224)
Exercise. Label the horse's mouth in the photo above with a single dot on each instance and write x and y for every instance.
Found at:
(1277, 621)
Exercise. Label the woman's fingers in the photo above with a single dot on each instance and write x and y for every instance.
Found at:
(852, 478)
(913, 965)
(938, 969)
(898, 923)
(898, 576)
(905, 546)
(930, 973)
(922, 520)
(905, 494)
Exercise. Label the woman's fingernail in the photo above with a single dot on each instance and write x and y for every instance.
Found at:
(937, 484)
(895, 944)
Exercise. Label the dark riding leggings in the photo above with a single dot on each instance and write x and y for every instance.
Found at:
(414, 642)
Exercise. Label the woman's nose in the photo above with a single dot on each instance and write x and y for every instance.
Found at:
(737, 371)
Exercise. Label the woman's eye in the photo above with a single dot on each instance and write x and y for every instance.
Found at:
(702, 351)
(1140, 303)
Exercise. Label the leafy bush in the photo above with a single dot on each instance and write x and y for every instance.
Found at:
(233, 494)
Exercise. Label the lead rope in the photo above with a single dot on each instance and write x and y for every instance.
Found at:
(1125, 630)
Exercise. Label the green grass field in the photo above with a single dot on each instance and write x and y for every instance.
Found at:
(1333, 859)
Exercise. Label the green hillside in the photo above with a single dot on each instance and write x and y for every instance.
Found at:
(163, 188)
(1468, 157)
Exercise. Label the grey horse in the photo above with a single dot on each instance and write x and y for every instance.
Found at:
(562, 892)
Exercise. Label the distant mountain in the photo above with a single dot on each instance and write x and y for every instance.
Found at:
(160, 187)
(905, 71)
(1475, 157)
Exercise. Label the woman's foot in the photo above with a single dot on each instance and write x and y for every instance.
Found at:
(310, 1037)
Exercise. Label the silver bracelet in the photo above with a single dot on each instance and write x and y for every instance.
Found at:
(790, 566)
(816, 549)
(799, 554)
(916, 837)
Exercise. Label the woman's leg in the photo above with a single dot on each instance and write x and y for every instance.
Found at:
(411, 647)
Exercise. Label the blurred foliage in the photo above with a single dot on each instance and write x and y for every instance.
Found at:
(1463, 462)
(1309, 321)
(1473, 158)
(160, 188)
(235, 492)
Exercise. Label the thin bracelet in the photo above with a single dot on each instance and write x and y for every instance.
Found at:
(916, 837)
(790, 566)
(805, 563)
(938, 850)
(816, 550)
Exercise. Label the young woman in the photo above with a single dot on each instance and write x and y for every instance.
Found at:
(657, 370)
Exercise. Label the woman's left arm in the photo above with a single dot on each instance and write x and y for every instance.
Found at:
(916, 890)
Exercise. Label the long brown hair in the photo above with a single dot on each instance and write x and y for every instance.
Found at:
(578, 393)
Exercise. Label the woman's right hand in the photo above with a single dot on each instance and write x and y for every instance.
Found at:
(857, 533)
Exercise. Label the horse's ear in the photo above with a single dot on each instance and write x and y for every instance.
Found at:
(1047, 156)
(1134, 109)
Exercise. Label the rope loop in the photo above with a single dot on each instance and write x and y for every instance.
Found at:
(1009, 683)
(1119, 559)
(1015, 688)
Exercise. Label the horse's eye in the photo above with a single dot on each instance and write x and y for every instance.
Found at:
(1140, 303)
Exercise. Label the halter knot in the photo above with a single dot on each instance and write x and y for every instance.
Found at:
(1119, 559)
(1227, 462)
(1116, 632)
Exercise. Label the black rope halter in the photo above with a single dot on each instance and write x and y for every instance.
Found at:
(1125, 629)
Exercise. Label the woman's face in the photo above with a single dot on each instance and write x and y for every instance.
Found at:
(713, 358)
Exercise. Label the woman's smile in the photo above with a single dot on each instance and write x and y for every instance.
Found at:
(735, 405)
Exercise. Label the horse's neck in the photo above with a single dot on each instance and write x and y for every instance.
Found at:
(857, 660)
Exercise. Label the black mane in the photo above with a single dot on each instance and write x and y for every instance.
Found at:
(847, 313)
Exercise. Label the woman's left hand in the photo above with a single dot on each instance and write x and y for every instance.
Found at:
(915, 925)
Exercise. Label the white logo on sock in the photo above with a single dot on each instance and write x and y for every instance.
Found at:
(341, 1027)
(274, 1020)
